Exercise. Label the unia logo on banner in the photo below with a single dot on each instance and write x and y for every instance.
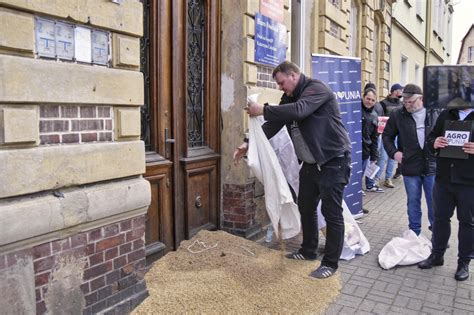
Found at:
(347, 95)
(457, 138)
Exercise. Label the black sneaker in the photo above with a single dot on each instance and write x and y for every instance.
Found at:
(323, 272)
(376, 189)
(299, 256)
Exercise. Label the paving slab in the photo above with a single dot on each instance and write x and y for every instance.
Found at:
(369, 289)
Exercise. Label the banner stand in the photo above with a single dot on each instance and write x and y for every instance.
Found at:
(343, 75)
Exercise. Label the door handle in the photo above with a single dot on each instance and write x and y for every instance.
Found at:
(198, 202)
(167, 138)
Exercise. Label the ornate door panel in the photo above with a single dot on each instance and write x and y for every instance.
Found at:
(201, 201)
(180, 120)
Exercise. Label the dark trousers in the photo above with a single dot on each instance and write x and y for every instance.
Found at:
(446, 197)
(325, 183)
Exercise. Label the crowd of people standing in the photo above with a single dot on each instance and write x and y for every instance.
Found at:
(412, 137)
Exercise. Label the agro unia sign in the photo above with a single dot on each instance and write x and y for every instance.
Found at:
(457, 138)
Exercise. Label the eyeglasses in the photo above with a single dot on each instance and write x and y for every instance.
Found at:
(411, 100)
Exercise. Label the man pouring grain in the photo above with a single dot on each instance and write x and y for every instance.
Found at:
(310, 111)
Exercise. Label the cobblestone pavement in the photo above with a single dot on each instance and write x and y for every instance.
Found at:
(368, 289)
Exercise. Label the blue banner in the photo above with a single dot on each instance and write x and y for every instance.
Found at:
(270, 41)
(343, 75)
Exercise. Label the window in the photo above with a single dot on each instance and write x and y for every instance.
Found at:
(419, 9)
(376, 47)
(375, 51)
(404, 70)
(354, 30)
(441, 19)
(417, 74)
(438, 18)
(336, 3)
(146, 109)
(449, 38)
(435, 12)
(334, 29)
(196, 71)
(470, 54)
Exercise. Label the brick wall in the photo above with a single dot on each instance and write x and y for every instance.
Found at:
(109, 261)
(264, 77)
(239, 210)
(75, 124)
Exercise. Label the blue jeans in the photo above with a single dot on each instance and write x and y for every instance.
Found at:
(413, 186)
(369, 183)
(383, 158)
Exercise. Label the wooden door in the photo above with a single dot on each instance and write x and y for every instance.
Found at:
(180, 120)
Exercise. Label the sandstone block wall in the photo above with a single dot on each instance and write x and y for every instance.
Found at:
(72, 199)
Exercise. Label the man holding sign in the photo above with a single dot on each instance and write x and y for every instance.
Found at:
(454, 187)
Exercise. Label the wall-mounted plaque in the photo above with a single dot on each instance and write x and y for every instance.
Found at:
(45, 43)
(83, 47)
(64, 41)
(100, 47)
(55, 39)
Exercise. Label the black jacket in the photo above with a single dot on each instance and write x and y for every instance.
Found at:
(369, 133)
(389, 104)
(314, 106)
(378, 108)
(455, 171)
(416, 161)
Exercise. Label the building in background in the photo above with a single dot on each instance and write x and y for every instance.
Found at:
(466, 53)
(420, 36)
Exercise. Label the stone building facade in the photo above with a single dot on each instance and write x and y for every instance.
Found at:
(422, 31)
(72, 199)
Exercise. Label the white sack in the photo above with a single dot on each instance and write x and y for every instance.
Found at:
(406, 250)
(355, 242)
(263, 162)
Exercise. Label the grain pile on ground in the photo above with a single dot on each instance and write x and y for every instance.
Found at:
(218, 273)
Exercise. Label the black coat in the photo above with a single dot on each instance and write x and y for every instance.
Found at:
(314, 106)
(378, 108)
(389, 104)
(456, 171)
(416, 161)
(369, 133)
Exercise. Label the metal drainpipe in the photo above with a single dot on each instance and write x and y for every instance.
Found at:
(390, 51)
(428, 28)
(302, 36)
